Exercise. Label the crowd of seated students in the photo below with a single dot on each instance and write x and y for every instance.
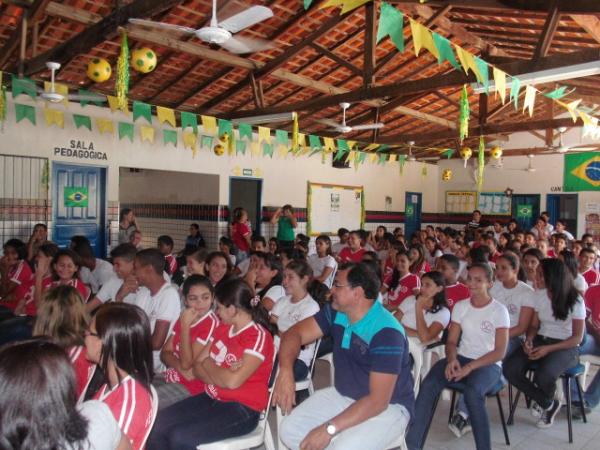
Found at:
(202, 329)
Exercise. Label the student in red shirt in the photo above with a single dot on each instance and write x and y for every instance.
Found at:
(587, 257)
(455, 290)
(66, 265)
(119, 341)
(241, 233)
(165, 245)
(402, 284)
(418, 265)
(236, 367)
(15, 273)
(353, 252)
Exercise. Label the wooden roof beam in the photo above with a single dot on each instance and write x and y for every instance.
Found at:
(338, 59)
(566, 6)
(548, 32)
(369, 45)
(590, 24)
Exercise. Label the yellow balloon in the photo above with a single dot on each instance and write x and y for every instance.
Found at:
(143, 60)
(496, 152)
(219, 149)
(466, 153)
(447, 175)
(98, 70)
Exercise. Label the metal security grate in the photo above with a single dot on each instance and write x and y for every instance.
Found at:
(23, 195)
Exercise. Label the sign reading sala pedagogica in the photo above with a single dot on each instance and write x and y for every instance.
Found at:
(80, 150)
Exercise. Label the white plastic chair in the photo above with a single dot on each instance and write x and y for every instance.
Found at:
(587, 361)
(399, 443)
(329, 359)
(154, 411)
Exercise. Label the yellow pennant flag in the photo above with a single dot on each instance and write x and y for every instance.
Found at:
(351, 155)
(59, 88)
(393, 158)
(463, 58)
(529, 99)
(113, 103)
(328, 144)
(255, 148)
(347, 5)
(283, 150)
(147, 133)
(369, 147)
(422, 38)
(54, 117)
(209, 124)
(189, 141)
(105, 126)
(587, 120)
(500, 82)
(351, 144)
(373, 158)
(572, 108)
(301, 142)
(264, 135)
(166, 115)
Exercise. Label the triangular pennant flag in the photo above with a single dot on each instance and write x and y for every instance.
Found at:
(393, 157)
(328, 144)
(141, 109)
(85, 100)
(342, 145)
(170, 137)
(481, 70)
(25, 112)
(529, 99)
(401, 161)
(424, 170)
(82, 121)
(351, 144)
(23, 86)
(422, 38)
(147, 133)
(349, 5)
(126, 130)
(254, 148)
(240, 147)
(281, 137)
(59, 88)
(314, 141)
(383, 158)
(105, 126)
(557, 93)
(113, 103)
(448, 153)
(166, 115)
(267, 149)
(500, 83)
(463, 57)
(206, 142)
(372, 158)
(445, 50)
(264, 135)
(225, 126)
(339, 154)
(382, 148)
(209, 125)
(391, 23)
(307, 4)
(361, 157)
(189, 120)
(245, 131)
(189, 139)
(515, 86)
(54, 117)
(370, 147)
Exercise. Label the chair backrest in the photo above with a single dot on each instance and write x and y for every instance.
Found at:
(154, 412)
(314, 358)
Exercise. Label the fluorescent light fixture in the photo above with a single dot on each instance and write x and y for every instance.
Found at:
(267, 118)
(547, 76)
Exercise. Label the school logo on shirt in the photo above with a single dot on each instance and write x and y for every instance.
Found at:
(487, 326)
(403, 289)
(512, 309)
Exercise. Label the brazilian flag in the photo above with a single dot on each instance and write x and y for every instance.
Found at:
(582, 172)
(76, 197)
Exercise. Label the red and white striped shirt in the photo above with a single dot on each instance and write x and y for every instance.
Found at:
(131, 405)
(592, 277)
(407, 285)
(22, 276)
(84, 369)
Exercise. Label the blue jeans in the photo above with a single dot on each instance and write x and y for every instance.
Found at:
(476, 385)
(200, 420)
(589, 346)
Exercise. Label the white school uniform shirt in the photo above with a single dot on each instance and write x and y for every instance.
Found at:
(289, 314)
(514, 299)
(318, 265)
(431, 260)
(409, 314)
(581, 284)
(550, 326)
(275, 293)
(479, 327)
(108, 291)
(97, 277)
(103, 432)
(243, 267)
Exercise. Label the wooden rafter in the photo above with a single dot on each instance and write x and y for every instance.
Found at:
(338, 59)
(590, 24)
(548, 32)
(491, 6)
(369, 45)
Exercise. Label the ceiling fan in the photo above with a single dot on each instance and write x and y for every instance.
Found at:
(222, 33)
(561, 148)
(343, 127)
(54, 97)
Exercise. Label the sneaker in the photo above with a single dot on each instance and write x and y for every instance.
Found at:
(536, 410)
(548, 415)
(459, 425)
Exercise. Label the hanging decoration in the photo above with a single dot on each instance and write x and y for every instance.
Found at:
(295, 133)
(98, 70)
(391, 23)
(496, 152)
(465, 154)
(25, 112)
(219, 149)
(480, 163)
(2, 103)
(126, 131)
(54, 117)
(23, 86)
(446, 175)
(347, 5)
(141, 109)
(464, 112)
(170, 137)
(143, 60)
(122, 82)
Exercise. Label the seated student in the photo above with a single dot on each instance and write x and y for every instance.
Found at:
(44, 413)
(531, 260)
(343, 236)
(551, 341)
(190, 335)
(530, 239)
(433, 251)
(266, 278)
(63, 319)
(235, 365)
(43, 275)
(160, 300)
(15, 273)
(570, 260)
(372, 400)
(587, 257)
(257, 244)
(94, 271)
(540, 229)
(322, 263)
(482, 324)
(38, 236)
(354, 251)
(559, 243)
(544, 246)
(119, 342)
(195, 239)
(418, 265)
(273, 246)
(136, 240)
(454, 291)
(65, 266)
(492, 244)
(504, 241)
(561, 228)
(226, 246)
(218, 267)
(195, 262)
(402, 283)
(288, 255)
(165, 246)
(123, 285)
(387, 265)
(295, 306)
(425, 315)
(475, 221)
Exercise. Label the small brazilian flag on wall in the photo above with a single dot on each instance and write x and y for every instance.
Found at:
(582, 172)
(76, 197)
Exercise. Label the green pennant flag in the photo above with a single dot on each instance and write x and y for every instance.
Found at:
(383, 157)
(189, 119)
(225, 126)
(125, 130)
(141, 109)
(581, 172)
(170, 137)
(484, 71)
(381, 148)
(245, 131)
(515, 86)
(362, 156)
(391, 23)
(401, 161)
(342, 144)
(23, 86)
(314, 152)
(84, 102)
(314, 141)
(240, 147)
(206, 141)
(267, 149)
(445, 51)
(307, 4)
(558, 93)
(448, 153)
(25, 112)
(339, 154)
(82, 121)
(281, 137)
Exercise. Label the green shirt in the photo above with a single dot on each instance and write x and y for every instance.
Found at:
(285, 231)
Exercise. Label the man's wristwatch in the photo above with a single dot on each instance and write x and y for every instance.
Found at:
(331, 429)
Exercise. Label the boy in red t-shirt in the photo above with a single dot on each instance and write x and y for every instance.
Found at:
(455, 291)
(165, 246)
(587, 257)
(354, 251)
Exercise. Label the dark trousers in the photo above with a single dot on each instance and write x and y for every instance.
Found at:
(547, 370)
(200, 420)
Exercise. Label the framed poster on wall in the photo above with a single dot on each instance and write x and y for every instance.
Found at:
(495, 203)
(461, 201)
(330, 207)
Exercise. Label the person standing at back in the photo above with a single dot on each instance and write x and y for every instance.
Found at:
(286, 222)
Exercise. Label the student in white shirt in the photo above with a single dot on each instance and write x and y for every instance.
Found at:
(265, 278)
(570, 260)
(93, 271)
(343, 235)
(323, 264)
(551, 342)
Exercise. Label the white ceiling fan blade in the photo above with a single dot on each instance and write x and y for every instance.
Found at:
(329, 122)
(246, 18)
(239, 44)
(87, 98)
(371, 126)
(162, 25)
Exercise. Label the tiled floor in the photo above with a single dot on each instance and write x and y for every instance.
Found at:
(524, 435)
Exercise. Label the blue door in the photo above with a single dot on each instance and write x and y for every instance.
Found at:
(79, 204)
(525, 209)
(412, 213)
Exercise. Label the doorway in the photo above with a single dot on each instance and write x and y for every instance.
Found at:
(412, 213)
(526, 209)
(564, 207)
(247, 193)
(79, 205)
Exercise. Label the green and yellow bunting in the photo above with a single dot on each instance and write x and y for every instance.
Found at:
(391, 23)
(170, 137)
(141, 109)
(245, 131)
(126, 131)
(23, 86)
(82, 121)
(189, 119)
(25, 112)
